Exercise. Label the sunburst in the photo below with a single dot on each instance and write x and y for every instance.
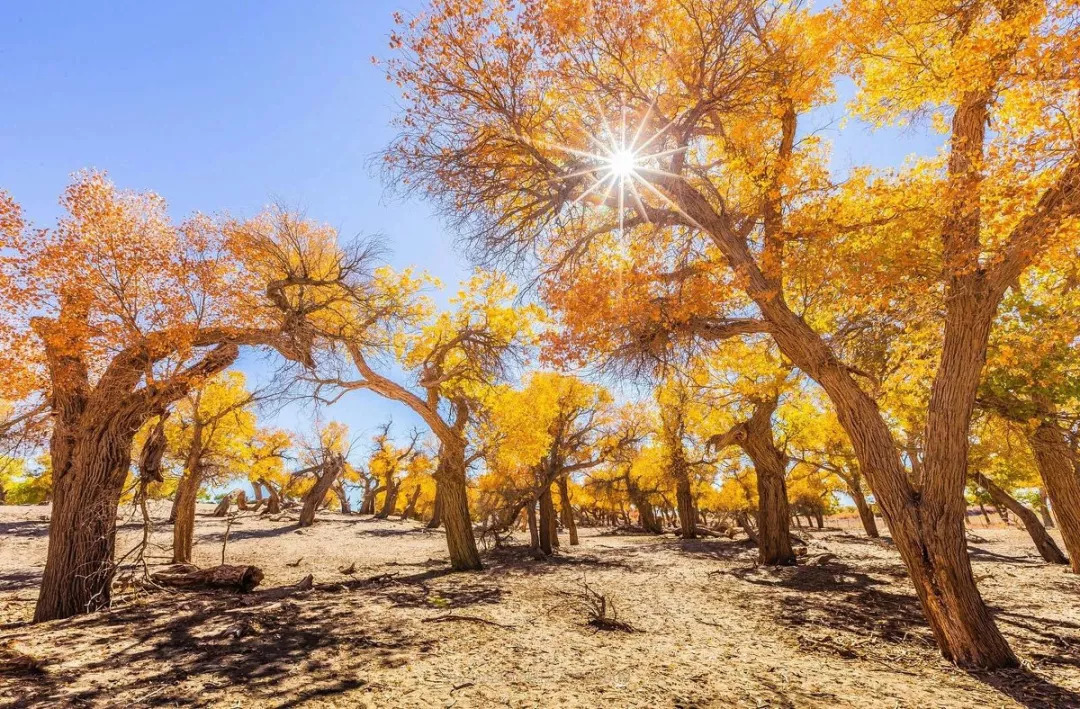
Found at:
(621, 165)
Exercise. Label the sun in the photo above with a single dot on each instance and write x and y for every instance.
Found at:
(622, 168)
(623, 163)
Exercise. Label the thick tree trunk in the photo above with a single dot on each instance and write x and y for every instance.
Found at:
(819, 518)
(325, 478)
(567, 510)
(453, 485)
(241, 501)
(87, 485)
(773, 532)
(866, 513)
(684, 500)
(256, 488)
(1061, 476)
(1043, 541)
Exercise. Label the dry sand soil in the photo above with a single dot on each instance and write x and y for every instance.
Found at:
(709, 627)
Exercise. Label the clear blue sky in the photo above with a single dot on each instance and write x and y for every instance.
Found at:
(225, 106)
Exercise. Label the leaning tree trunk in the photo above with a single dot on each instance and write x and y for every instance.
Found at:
(1061, 476)
(89, 469)
(325, 478)
(866, 513)
(567, 510)
(453, 485)
(223, 507)
(1043, 541)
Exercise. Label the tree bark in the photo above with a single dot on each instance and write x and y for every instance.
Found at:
(343, 497)
(453, 484)
(410, 506)
(436, 509)
(235, 578)
(390, 498)
(223, 507)
(1044, 509)
(1061, 476)
(1043, 541)
(184, 527)
(534, 532)
(567, 510)
(273, 504)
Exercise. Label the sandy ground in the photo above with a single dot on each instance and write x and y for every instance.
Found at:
(712, 629)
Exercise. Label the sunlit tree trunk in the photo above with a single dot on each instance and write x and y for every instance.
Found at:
(866, 513)
(326, 475)
(453, 484)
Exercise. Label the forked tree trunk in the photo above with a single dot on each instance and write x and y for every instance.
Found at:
(325, 478)
(755, 437)
(453, 484)
(567, 510)
(866, 513)
(1061, 475)
(1043, 541)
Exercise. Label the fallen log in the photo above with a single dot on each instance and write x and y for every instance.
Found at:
(237, 578)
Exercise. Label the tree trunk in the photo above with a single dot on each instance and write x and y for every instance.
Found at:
(1044, 509)
(223, 507)
(256, 488)
(325, 478)
(534, 532)
(985, 514)
(187, 492)
(549, 539)
(235, 578)
(773, 532)
(343, 497)
(87, 485)
(436, 510)
(1061, 476)
(1043, 541)
(390, 498)
(567, 510)
(241, 500)
(410, 506)
(819, 518)
(453, 485)
(744, 521)
(273, 504)
(866, 513)
(684, 499)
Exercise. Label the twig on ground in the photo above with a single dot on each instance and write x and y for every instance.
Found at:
(466, 618)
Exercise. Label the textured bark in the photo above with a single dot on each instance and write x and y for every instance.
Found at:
(1061, 475)
(184, 527)
(1044, 509)
(390, 497)
(460, 541)
(567, 511)
(1043, 541)
(342, 496)
(326, 476)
